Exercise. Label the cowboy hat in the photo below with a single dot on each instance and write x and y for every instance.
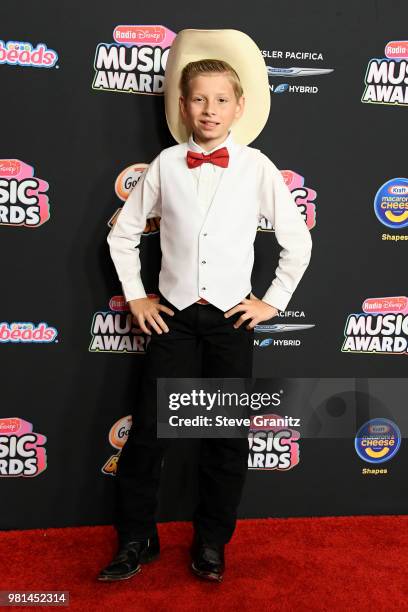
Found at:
(241, 52)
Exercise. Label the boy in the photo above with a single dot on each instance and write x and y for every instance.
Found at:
(210, 192)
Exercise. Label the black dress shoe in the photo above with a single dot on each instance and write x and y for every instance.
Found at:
(208, 559)
(129, 558)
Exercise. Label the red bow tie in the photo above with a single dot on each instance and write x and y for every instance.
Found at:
(219, 157)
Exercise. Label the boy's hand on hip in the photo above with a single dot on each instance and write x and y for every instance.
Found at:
(146, 312)
(253, 308)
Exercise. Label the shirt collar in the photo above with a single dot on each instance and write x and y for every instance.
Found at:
(228, 142)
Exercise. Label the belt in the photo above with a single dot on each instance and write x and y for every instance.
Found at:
(204, 301)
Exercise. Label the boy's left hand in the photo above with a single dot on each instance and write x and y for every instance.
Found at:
(252, 308)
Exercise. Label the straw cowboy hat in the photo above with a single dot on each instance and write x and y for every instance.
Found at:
(241, 52)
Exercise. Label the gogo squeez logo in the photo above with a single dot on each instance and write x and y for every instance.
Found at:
(113, 331)
(118, 436)
(386, 78)
(382, 327)
(22, 198)
(135, 62)
(124, 185)
(273, 443)
(22, 451)
(304, 198)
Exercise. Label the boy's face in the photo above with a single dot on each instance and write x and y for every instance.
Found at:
(210, 108)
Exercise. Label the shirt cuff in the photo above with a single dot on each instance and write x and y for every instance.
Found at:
(133, 291)
(277, 298)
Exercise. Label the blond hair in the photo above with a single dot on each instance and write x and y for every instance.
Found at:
(193, 69)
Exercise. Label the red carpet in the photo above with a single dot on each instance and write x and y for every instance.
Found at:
(346, 563)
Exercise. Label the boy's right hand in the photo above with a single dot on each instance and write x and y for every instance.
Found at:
(145, 311)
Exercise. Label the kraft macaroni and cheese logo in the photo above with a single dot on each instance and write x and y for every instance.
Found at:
(135, 62)
(303, 196)
(113, 330)
(27, 333)
(273, 442)
(22, 198)
(118, 436)
(19, 53)
(391, 203)
(382, 327)
(22, 451)
(124, 184)
(378, 440)
(386, 77)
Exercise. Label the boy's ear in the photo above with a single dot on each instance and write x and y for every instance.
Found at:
(181, 105)
(240, 107)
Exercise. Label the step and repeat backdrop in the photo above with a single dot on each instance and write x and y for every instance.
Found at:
(82, 117)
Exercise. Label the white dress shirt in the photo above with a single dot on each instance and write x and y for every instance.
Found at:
(207, 175)
(209, 218)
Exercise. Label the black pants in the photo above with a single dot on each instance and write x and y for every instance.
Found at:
(223, 462)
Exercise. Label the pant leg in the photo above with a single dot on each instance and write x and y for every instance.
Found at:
(223, 462)
(172, 354)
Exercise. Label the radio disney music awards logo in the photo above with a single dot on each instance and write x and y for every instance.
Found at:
(113, 330)
(22, 198)
(118, 436)
(283, 328)
(27, 333)
(124, 184)
(304, 198)
(135, 62)
(391, 207)
(381, 327)
(296, 71)
(386, 77)
(377, 441)
(19, 53)
(22, 451)
(273, 442)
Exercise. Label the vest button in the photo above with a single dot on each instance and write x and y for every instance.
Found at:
(203, 288)
(205, 234)
(203, 261)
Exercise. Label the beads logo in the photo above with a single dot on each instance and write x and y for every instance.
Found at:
(21, 450)
(391, 203)
(378, 440)
(124, 184)
(303, 196)
(27, 333)
(118, 435)
(17, 53)
(273, 443)
(382, 327)
(135, 62)
(386, 78)
(113, 331)
(21, 202)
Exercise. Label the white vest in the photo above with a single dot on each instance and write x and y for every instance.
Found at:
(211, 258)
